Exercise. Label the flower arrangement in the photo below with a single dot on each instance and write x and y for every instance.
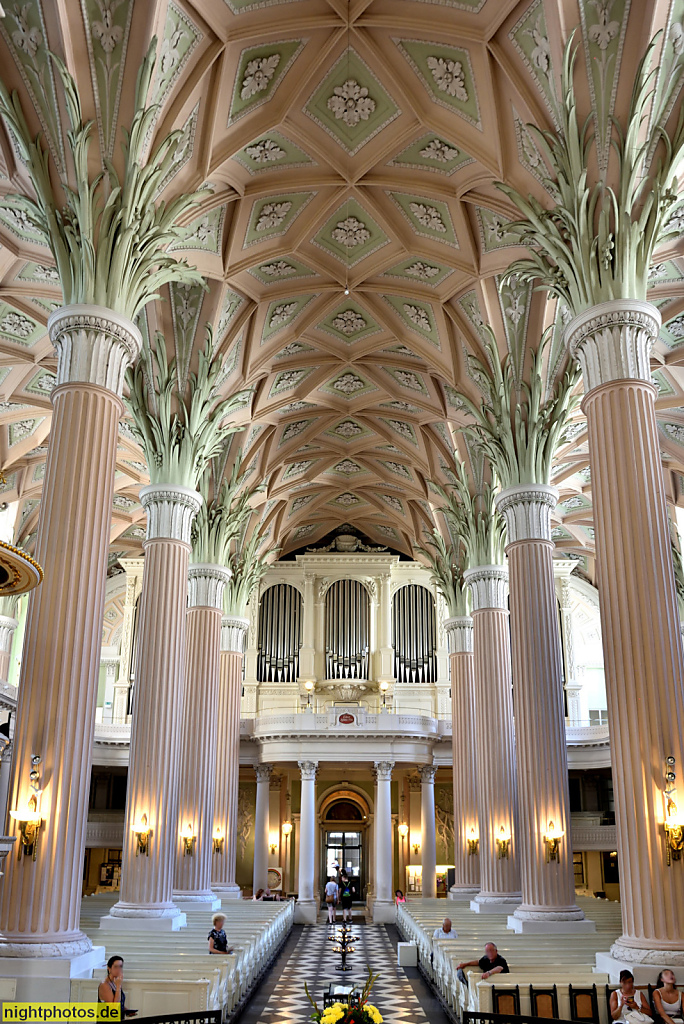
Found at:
(360, 1011)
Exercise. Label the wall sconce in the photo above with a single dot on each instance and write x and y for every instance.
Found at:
(286, 828)
(188, 837)
(552, 839)
(415, 844)
(503, 842)
(273, 842)
(384, 687)
(403, 830)
(29, 818)
(308, 686)
(674, 820)
(217, 840)
(473, 841)
(142, 833)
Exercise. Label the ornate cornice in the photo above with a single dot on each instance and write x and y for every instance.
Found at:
(206, 583)
(94, 345)
(170, 511)
(527, 510)
(233, 631)
(613, 341)
(459, 633)
(488, 586)
(308, 769)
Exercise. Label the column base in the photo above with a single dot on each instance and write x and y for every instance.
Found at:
(494, 904)
(456, 893)
(560, 926)
(199, 901)
(384, 912)
(228, 892)
(645, 972)
(42, 978)
(306, 912)
(143, 924)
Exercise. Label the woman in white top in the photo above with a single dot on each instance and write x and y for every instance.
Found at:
(667, 998)
(627, 1004)
(331, 894)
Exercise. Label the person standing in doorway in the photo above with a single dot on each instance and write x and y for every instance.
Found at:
(332, 893)
(347, 893)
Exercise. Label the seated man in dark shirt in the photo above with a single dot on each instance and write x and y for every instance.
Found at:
(490, 963)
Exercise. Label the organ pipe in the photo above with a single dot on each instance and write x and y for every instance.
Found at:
(347, 629)
(280, 634)
(414, 635)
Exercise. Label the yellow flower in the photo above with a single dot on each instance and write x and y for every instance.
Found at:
(333, 1013)
(373, 1013)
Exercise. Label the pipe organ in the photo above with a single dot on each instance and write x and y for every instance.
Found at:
(347, 629)
(414, 635)
(279, 637)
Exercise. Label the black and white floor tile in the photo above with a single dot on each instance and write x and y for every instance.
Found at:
(312, 961)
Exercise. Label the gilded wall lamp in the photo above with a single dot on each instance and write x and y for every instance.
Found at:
(142, 832)
(503, 842)
(473, 841)
(188, 836)
(217, 840)
(552, 840)
(273, 842)
(416, 846)
(674, 819)
(29, 818)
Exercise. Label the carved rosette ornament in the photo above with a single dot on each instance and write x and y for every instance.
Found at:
(613, 341)
(233, 629)
(309, 770)
(488, 586)
(527, 510)
(94, 345)
(427, 773)
(170, 511)
(206, 583)
(459, 633)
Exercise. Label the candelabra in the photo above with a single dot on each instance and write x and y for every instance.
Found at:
(344, 946)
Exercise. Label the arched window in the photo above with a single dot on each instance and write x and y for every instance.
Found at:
(347, 621)
(414, 635)
(280, 628)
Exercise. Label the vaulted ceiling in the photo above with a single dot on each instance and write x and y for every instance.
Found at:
(352, 241)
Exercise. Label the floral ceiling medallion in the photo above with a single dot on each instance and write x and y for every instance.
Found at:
(351, 103)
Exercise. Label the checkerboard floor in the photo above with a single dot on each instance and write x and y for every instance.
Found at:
(312, 960)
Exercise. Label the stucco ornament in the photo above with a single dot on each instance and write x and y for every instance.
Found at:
(265, 152)
(449, 77)
(428, 217)
(423, 271)
(281, 314)
(348, 322)
(272, 215)
(351, 103)
(104, 30)
(439, 151)
(258, 75)
(417, 316)
(350, 232)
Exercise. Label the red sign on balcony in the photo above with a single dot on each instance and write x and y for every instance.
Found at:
(346, 719)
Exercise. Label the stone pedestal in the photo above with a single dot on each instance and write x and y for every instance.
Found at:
(41, 898)
(384, 910)
(466, 825)
(261, 826)
(233, 632)
(548, 884)
(199, 754)
(495, 741)
(153, 774)
(642, 646)
(428, 834)
(306, 909)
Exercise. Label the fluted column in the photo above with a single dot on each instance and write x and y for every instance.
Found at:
(495, 739)
(383, 906)
(153, 773)
(199, 760)
(233, 630)
(428, 833)
(548, 885)
(261, 826)
(642, 645)
(384, 637)
(41, 899)
(466, 825)
(307, 652)
(306, 910)
(5, 774)
(134, 569)
(8, 626)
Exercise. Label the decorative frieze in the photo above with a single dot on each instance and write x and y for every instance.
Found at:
(459, 633)
(94, 345)
(206, 583)
(488, 586)
(527, 510)
(170, 511)
(613, 341)
(233, 631)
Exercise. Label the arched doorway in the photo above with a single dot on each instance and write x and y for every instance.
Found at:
(344, 817)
